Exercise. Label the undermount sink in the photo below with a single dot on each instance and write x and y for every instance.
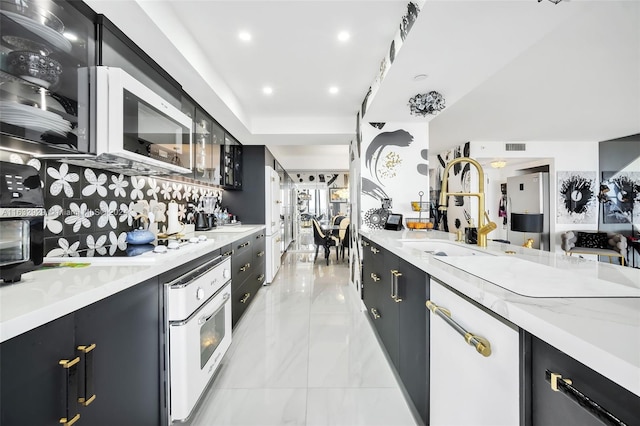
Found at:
(443, 248)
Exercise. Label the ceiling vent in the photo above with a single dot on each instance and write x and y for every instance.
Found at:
(515, 147)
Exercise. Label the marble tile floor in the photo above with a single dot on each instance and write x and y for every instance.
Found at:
(304, 354)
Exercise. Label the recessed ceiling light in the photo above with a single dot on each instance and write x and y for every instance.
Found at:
(344, 36)
(267, 90)
(420, 77)
(333, 90)
(244, 36)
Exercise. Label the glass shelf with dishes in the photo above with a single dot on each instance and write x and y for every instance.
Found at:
(46, 49)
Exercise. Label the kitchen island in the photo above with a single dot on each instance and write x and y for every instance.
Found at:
(588, 310)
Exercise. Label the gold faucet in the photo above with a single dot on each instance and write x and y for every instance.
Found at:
(444, 195)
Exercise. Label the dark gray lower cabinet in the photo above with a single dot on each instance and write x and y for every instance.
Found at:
(122, 370)
(33, 385)
(247, 272)
(575, 405)
(395, 292)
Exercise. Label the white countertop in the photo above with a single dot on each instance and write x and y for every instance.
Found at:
(46, 294)
(601, 332)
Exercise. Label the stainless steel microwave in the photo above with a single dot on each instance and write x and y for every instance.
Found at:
(136, 131)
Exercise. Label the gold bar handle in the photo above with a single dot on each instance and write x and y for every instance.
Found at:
(394, 285)
(482, 345)
(375, 277)
(246, 243)
(375, 313)
(86, 353)
(64, 421)
(70, 368)
(245, 297)
(261, 277)
(554, 381)
(365, 244)
(260, 254)
(227, 253)
(245, 267)
(374, 250)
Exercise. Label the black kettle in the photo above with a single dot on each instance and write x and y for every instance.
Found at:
(202, 224)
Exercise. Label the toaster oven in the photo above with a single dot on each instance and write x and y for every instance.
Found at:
(21, 221)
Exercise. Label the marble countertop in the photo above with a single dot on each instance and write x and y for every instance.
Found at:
(600, 331)
(46, 294)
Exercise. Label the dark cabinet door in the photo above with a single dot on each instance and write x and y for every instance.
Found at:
(231, 163)
(127, 357)
(381, 307)
(549, 407)
(413, 291)
(33, 390)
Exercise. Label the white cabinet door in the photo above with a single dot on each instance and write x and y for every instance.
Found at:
(467, 388)
(273, 257)
(272, 200)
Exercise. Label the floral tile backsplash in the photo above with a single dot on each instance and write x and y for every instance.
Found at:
(89, 211)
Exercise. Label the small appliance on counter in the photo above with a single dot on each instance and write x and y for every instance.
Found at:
(21, 221)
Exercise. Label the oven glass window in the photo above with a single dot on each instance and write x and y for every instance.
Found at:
(211, 334)
(14, 241)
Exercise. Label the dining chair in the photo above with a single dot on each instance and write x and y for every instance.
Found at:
(344, 235)
(320, 238)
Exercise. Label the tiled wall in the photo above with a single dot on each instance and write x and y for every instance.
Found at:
(89, 211)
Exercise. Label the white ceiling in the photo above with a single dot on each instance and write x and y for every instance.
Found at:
(509, 70)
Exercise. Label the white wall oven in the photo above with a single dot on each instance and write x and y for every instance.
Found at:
(198, 308)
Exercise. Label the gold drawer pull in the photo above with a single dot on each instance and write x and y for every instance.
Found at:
(261, 253)
(375, 277)
(482, 345)
(87, 353)
(64, 421)
(227, 253)
(374, 250)
(375, 313)
(261, 277)
(246, 243)
(245, 267)
(245, 297)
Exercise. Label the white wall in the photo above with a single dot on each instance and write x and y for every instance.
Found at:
(559, 156)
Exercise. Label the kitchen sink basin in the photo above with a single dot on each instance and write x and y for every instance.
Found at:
(443, 248)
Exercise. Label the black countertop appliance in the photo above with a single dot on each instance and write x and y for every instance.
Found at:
(21, 221)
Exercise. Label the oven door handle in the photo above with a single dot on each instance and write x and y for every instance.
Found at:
(207, 266)
(203, 319)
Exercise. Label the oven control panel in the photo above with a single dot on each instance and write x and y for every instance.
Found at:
(185, 294)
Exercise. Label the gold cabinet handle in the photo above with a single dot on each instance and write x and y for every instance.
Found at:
(261, 253)
(259, 236)
(553, 379)
(261, 277)
(482, 345)
(394, 285)
(227, 253)
(64, 422)
(365, 244)
(375, 277)
(245, 267)
(87, 353)
(246, 243)
(245, 297)
(374, 250)
(375, 313)
(71, 374)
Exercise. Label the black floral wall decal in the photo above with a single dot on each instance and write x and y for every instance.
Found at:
(400, 138)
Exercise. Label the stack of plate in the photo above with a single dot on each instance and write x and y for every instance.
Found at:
(33, 118)
(40, 22)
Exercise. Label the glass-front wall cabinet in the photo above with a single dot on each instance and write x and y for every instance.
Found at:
(208, 140)
(232, 163)
(46, 48)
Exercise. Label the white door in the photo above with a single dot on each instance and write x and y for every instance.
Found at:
(467, 388)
